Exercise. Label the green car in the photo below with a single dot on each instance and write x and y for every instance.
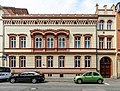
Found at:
(89, 77)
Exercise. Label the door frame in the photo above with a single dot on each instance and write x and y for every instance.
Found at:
(110, 64)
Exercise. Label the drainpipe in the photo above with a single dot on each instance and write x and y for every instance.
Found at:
(96, 48)
(3, 44)
(2, 35)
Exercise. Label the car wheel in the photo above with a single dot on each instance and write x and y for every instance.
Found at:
(100, 81)
(79, 81)
(12, 80)
(34, 80)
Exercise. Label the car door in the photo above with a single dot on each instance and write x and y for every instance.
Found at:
(22, 77)
(88, 77)
(29, 76)
(95, 76)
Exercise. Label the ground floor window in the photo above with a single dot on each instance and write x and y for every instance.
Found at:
(49, 75)
(37, 61)
(87, 61)
(49, 61)
(61, 75)
(77, 61)
(22, 61)
(61, 61)
(12, 62)
(77, 74)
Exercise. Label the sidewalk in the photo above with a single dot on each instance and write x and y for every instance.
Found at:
(71, 79)
(59, 79)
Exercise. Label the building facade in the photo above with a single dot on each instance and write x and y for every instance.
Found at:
(118, 38)
(106, 41)
(59, 44)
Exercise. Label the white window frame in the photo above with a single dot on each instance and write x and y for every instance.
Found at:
(87, 60)
(61, 61)
(61, 42)
(22, 42)
(50, 43)
(22, 61)
(101, 25)
(38, 61)
(77, 42)
(50, 60)
(12, 61)
(38, 41)
(87, 42)
(109, 41)
(77, 61)
(101, 43)
(109, 25)
(13, 42)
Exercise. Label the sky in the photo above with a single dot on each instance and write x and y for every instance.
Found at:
(59, 6)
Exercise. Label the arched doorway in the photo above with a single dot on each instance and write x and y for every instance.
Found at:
(105, 67)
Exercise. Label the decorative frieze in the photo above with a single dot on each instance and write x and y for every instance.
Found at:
(53, 22)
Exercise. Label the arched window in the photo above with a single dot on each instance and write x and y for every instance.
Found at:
(50, 41)
(61, 41)
(38, 41)
(101, 25)
(109, 25)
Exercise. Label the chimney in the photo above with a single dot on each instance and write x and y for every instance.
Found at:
(105, 8)
(96, 8)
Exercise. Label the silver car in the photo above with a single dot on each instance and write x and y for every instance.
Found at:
(4, 76)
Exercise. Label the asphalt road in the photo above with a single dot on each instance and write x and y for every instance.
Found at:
(62, 85)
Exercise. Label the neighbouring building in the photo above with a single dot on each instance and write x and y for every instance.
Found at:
(106, 41)
(118, 37)
(59, 44)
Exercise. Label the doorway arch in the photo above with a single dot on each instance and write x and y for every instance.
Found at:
(105, 67)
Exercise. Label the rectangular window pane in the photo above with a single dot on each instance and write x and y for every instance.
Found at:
(12, 61)
(77, 61)
(77, 42)
(61, 61)
(22, 42)
(87, 61)
(87, 42)
(12, 42)
(101, 43)
(50, 61)
(108, 43)
(38, 61)
(22, 61)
